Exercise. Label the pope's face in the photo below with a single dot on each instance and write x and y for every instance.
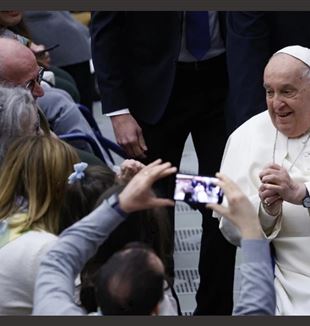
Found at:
(287, 84)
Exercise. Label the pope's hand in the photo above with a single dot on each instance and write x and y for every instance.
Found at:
(277, 185)
(240, 210)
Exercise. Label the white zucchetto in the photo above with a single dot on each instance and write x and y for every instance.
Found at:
(298, 52)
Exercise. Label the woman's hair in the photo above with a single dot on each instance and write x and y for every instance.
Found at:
(81, 196)
(36, 169)
(148, 226)
(17, 107)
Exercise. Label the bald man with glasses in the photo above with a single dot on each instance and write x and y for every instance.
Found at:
(18, 67)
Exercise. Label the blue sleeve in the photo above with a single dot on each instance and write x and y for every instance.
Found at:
(257, 295)
(54, 288)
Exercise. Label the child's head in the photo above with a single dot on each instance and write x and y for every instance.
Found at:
(81, 194)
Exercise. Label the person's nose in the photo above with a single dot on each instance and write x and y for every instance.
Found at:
(277, 103)
(37, 90)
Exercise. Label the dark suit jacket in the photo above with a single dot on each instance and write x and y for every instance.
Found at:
(135, 55)
(252, 37)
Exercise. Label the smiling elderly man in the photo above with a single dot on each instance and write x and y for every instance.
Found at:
(269, 157)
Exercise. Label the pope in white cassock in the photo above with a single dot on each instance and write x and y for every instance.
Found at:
(269, 158)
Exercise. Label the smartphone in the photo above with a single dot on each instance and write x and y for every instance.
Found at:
(196, 189)
(38, 53)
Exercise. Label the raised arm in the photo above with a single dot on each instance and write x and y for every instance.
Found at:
(257, 295)
(54, 289)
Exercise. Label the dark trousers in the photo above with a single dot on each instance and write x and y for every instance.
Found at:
(196, 106)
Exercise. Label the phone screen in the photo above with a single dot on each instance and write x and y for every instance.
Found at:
(197, 189)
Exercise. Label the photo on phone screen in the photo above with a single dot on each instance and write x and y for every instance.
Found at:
(197, 189)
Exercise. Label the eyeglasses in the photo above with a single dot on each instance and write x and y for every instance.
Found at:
(31, 84)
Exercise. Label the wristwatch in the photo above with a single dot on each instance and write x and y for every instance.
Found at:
(306, 200)
(114, 203)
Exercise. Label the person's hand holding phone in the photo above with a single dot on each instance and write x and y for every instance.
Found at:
(138, 193)
(42, 53)
(240, 210)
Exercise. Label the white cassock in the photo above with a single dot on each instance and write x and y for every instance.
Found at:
(248, 150)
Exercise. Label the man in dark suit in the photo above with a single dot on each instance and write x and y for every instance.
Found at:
(252, 37)
(158, 88)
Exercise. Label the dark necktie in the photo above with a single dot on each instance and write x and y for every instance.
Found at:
(197, 33)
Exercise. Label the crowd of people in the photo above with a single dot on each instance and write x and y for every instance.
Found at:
(77, 237)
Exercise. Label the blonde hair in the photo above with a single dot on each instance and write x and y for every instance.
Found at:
(36, 168)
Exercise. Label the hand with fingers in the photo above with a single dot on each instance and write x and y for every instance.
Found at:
(240, 210)
(277, 186)
(129, 135)
(128, 169)
(43, 58)
(271, 201)
(138, 194)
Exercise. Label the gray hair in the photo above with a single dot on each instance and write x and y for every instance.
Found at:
(306, 72)
(16, 108)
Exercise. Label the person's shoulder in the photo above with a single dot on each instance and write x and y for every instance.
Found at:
(52, 91)
(39, 242)
(55, 96)
(39, 237)
(29, 245)
(257, 129)
(257, 123)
